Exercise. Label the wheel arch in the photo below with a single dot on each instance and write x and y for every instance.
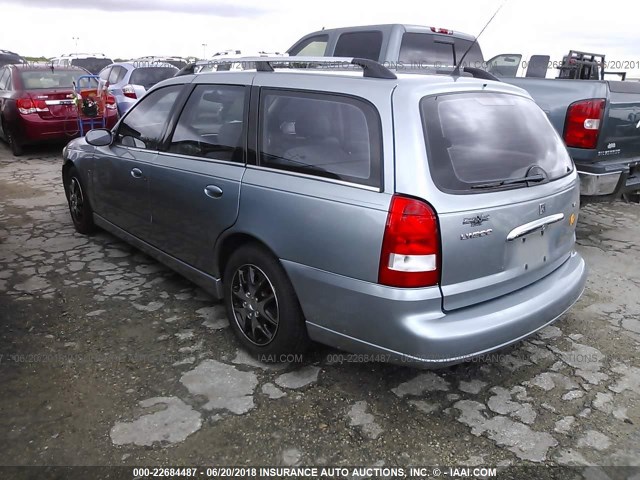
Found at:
(230, 243)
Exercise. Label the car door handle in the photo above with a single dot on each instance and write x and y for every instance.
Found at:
(136, 173)
(213, 191)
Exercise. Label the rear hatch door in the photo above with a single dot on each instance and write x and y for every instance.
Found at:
(509, 197)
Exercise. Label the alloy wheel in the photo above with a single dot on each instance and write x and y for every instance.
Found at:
(76, 200)
(255, 304)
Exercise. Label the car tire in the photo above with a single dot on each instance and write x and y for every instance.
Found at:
(262, 306)
(79, 206)
(16, 147)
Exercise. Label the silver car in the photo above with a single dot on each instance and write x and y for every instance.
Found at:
(129, 81)
(419, 219)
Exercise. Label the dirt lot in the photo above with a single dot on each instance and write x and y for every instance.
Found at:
(109, 358)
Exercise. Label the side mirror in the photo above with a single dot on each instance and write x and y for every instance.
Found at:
(99, 137)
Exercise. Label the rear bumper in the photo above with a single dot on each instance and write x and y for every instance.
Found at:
(33, 129)
(608, 180)
(409, 326)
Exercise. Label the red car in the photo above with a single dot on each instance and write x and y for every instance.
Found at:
(37, 104)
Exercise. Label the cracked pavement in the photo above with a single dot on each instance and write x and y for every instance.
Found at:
(109, 358)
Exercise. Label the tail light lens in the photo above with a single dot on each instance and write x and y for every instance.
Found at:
(129, 91)
(410, 256)
(582, 127)
(40, 106)
(111, 102)
(27, 106)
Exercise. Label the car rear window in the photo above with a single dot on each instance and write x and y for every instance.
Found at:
(422, 49)
(94, 65)
(58, 78)
(149, 76)
(479, 140)
(359, 45)
(9, 59)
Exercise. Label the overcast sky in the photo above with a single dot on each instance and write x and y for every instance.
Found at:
(132, 28)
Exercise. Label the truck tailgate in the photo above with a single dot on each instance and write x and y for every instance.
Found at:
(620, 134)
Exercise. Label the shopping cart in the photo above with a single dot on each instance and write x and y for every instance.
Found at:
(91, 104)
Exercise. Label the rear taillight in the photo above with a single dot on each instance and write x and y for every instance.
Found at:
(410, 255)
(27, 106)
(582, 127)
(111, 102)
(129, 91)
(41, 106)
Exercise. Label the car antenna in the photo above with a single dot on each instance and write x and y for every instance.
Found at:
(456, 71)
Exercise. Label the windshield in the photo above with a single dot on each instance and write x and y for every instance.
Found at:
(149, 76)
(46, 78)
(474, 139)
(94, 65)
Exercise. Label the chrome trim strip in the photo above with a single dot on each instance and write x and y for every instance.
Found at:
(315, 177)
(530, 227)
(58, 102)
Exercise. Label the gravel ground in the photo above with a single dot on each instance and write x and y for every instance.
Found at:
(109, 358)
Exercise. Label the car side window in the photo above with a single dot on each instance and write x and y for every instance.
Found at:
(311, 47)
(104, 74)
(144, 124)
(113, 76)
(325, 135)
(4, 76)
(212, 124)
(359, 44)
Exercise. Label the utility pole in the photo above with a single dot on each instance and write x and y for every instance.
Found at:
(76, 40)
(204, 51)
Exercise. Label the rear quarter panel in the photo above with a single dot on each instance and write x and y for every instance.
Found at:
(322, 224)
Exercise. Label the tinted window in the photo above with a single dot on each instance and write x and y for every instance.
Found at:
(360, 45)
(104, 74)
(478, 138)
(312, 47)
(325, 135)
(9, 58)
(143, 126)
(211, 124)
(116, 72)
(4, 76)
(149, 76)
(59, 78)
(94, 65)
(427, 49)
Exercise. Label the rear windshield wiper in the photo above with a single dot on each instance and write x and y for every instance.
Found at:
(537, 178)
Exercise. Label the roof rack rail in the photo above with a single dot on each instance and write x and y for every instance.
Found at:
(371, 68)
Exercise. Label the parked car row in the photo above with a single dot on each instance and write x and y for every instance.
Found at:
(37, 101)
(37, 104)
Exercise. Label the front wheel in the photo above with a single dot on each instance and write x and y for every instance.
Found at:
(79, 206)
(262, 306)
